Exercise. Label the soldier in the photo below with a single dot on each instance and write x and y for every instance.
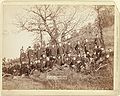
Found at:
(48, 51)
(39, 53)
(43, 63)
(88, 55)
(38, 65)
(49, 63)
(59, 60)
(78, 62)
(35, 50)
(65, 47)
(25, 69)
(73, 63)
(4, 70)
(53, 51)
(38, 45)
(86, 46)
(30, 54)
(98, 52)
(60, 51)
(77, 47)
(23, 56)
(84, 61)
(42, 51)
(35, 63)
(110, 52)
(69, 48)
(102, 62)
(92, 66)
(21, 50)
(67, 59)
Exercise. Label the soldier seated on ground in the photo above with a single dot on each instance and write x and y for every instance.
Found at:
(16, 70)
(4, 70)
(42, 63)
(48, 64)
(38, 65)
(25, 69)
(84, 61)
(59, 60)
(78, 63)
(73, 63)
(67, 59)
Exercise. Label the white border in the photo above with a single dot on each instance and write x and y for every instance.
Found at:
(70, 92)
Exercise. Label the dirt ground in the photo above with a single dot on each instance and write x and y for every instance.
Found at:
(74, 81)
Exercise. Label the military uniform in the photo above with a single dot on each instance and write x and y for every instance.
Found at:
(73, 62)
(67, 59)
(59, 60)
(84, 61)
(25, 69)
(77, 48)
(41, 51)
(23, 57)
(60, 54)
(48, 51)
(67, 48)
(97, 41)
(53, 50)
(97, 53)
(35, 51)
(78, 62)
(42, 63)
(60, 50)
(30, 54)
(49, 63)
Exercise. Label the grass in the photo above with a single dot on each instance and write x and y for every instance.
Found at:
(74, 81)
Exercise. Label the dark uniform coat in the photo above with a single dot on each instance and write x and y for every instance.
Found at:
(23, 57)
(53, 51)
(67, 48)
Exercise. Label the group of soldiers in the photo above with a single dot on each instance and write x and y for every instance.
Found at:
(79, 56)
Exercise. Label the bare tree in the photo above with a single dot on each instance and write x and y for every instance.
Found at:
(52, 20)
(105, 18)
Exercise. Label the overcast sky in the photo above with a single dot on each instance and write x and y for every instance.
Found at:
(13, 39)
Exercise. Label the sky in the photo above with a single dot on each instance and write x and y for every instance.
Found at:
(14, 39)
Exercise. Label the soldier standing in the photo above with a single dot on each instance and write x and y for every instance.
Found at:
(53, 54)
(41, 51)
(30, 54)
(35, 50)
(22, 56)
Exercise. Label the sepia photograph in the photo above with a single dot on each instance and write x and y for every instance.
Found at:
(58, 47)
